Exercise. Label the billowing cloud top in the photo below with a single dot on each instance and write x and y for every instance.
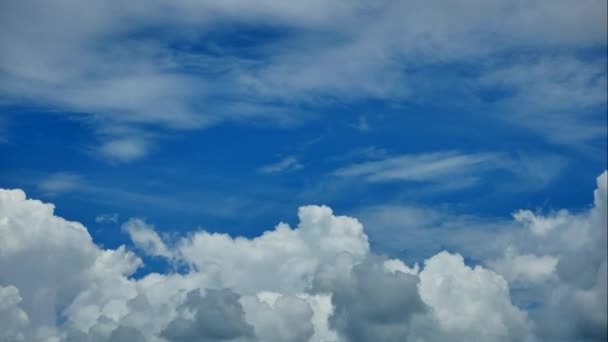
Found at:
(318, 281)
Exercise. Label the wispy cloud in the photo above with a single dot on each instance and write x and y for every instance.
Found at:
(558, 97)
(410, 230)
(107, 218)
(60, 182)
(288, 163)
(124, 149)
(417, 167)
(100, 65)
(453, 169)
(361, 124)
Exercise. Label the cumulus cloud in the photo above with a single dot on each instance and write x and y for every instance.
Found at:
(279, 317)
(371, 302)
(218, 316)
(144, 237)
(318, 281)
(525, 267)
(470, 303)
(13, 320)
(578, 242)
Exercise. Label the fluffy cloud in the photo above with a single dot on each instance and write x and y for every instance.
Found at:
(55, 264)
(470, 303)
(13, 320)
(250, 265)
(218, 316)
(571, 250)
(144, 237)
(318, 282)
(278, 317)
(524, 267)
(371, 302)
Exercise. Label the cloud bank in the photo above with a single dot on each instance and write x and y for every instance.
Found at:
(318, 281)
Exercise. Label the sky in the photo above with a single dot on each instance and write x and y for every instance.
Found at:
(303, 171)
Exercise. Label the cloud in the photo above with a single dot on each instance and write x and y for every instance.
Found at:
(278, 317)
(61, 182)
(554, 261)
(579, 243)
(421, 167)
(555, 96)
(470, 302)
(66, 271)
(361, 124)
(145, 238)
(370, 302)
(165, 66)
(124, 149)
(411, 231)
(318, 281)
(525, 267)
(13, 320)
(319, 238)
(107, 218)
(288, 163)
(452, 170)
(218, 316)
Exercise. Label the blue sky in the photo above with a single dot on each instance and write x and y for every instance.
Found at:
(227, 117)
(260, 114)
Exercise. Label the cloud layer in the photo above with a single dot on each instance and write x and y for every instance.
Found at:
(128, 67)
(318, 281)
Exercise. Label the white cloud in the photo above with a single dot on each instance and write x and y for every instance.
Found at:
(555, 96)
(579, 243)
(249, 265)
(540, 225)
(316, 282)
(145, 238)
(419, 167)
(525, 267)
(412, 231)
(66, 272)
(555, 261)
(107, 218)
(94, 60)
(124, 149)
(470, 303)
(61, 182)
(286, 318)
(13, 320)
(288, 163)
(452, 170)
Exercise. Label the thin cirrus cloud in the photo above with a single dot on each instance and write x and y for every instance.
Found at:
(107, 218)
(288, 163)
(61, 182)
(446, 167)
(330, 286)
(106, 62)
(124, 149)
